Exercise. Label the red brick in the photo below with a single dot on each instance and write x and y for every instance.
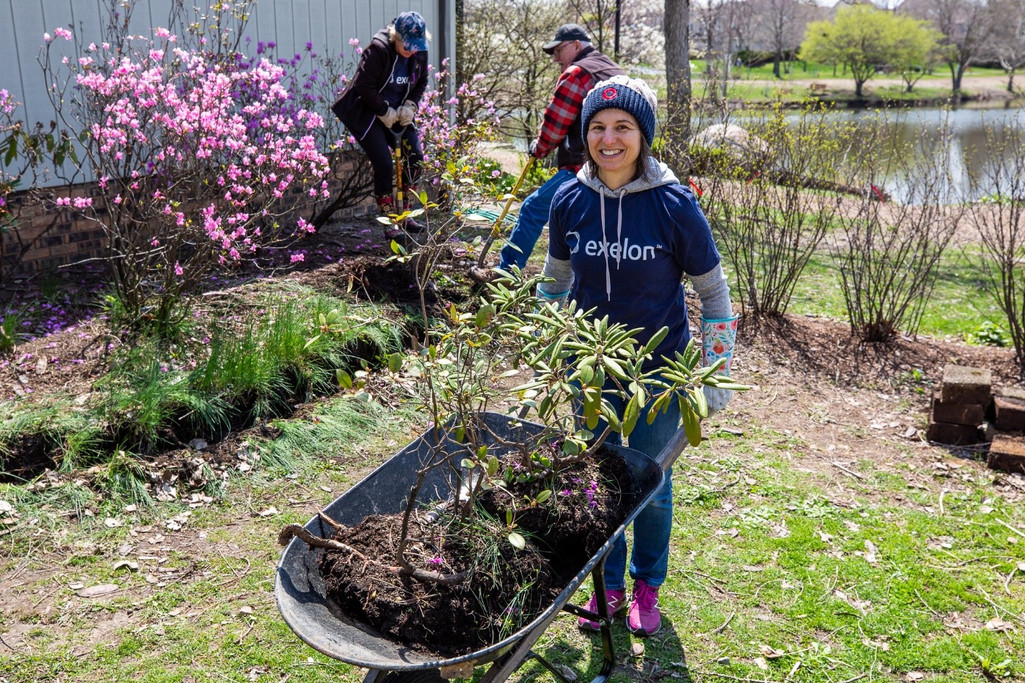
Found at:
(957, 413)
(963, 384)
(1009, 408)
(1007, 453)
(952, 434)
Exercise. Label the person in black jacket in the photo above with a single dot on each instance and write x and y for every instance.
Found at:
(381, 100)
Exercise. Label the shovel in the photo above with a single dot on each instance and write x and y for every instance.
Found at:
(399, 194)
(496, 229)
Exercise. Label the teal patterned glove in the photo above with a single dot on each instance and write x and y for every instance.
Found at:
(717, 340)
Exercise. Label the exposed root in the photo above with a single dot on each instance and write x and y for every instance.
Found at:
(291, 531)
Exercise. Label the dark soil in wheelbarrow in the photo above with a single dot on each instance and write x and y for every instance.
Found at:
(485, 589)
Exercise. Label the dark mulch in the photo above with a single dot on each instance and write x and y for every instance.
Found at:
(504, 588)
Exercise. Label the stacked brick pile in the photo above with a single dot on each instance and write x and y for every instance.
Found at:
(967, 410)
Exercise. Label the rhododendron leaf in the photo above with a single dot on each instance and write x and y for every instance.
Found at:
(691, 423)
(395, 362)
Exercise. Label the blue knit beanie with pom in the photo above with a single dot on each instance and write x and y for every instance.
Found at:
(622, 92)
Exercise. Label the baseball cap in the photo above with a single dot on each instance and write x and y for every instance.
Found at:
(564, 33)
(413, 30)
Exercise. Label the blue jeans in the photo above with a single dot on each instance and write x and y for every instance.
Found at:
(532, 219)
(649, 560)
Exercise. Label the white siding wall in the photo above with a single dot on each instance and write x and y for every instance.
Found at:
(328, 24)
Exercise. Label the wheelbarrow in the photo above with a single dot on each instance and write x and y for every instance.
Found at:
(300, 592)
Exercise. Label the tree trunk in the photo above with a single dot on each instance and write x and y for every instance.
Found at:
(775, 66)
(678, 78)
(956, 72)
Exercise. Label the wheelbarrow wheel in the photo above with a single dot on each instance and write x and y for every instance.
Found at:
(421, 676)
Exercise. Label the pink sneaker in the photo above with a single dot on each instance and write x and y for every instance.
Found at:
(617, 604)
(643, 618)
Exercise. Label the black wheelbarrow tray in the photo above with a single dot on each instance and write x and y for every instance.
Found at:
(299, 587)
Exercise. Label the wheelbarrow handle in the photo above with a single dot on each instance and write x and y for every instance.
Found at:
(672, 450)
(496, 228)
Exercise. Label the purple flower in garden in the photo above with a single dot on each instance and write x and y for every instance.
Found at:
(435, 561)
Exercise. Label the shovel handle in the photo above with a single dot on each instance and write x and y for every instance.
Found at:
(399, 194)
(496, 228)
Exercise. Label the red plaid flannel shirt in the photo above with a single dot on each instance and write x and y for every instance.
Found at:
(563, 110)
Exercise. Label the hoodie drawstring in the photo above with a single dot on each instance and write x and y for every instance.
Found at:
(619, 239)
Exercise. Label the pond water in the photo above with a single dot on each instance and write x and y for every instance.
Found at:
(977, 141)
(970, 159)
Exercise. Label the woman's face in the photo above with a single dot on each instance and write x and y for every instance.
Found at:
(400, 47)
(614, 142)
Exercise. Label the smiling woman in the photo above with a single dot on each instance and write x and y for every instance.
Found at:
(623, 233)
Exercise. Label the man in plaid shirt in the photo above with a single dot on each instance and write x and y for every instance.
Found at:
(583, 67)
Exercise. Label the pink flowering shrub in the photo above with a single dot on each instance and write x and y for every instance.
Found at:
(201, 155)
(454, 122)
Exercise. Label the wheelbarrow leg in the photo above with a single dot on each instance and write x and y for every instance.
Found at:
(420, 676)
(505, 667)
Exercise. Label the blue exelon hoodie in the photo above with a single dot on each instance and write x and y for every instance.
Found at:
(624, 253)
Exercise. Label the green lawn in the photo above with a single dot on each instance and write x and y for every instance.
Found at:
(954, 310)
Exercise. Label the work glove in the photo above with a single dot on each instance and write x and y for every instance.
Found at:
(406, 113)
(717, 340)
(389, 117)
(533, 149)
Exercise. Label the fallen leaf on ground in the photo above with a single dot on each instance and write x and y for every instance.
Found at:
(97, 591)
(998, 625)
(876, 644)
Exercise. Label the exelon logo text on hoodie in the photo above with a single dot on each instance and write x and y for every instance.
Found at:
(615, 250)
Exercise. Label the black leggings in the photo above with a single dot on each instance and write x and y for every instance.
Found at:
(379, 142)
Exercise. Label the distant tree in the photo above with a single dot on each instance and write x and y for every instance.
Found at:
(642, 34)
(966, 26)
(719, 21)
(861, 38)
(778, 25)
(502, 40)
(1007, 42)
(917, 45)
(678, 76)
(599, 16)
